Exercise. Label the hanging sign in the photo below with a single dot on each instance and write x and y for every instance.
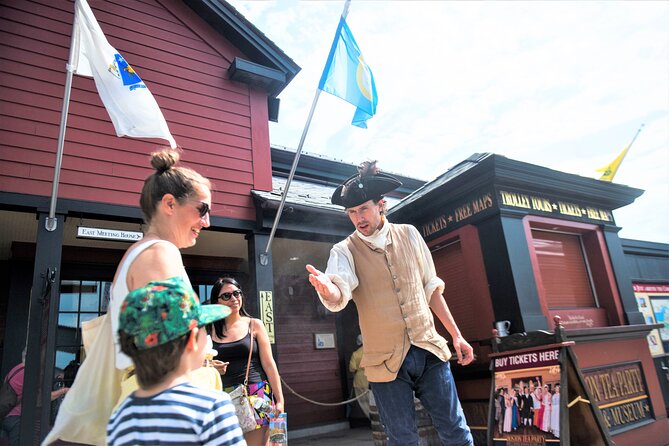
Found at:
(108, 234)
(527, 398)
(267, 313)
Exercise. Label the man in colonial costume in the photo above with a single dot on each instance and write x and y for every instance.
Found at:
(387, 269)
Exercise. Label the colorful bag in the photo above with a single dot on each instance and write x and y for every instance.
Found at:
(245, 412)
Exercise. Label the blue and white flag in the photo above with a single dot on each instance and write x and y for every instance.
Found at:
(347, 76)
(131, 106)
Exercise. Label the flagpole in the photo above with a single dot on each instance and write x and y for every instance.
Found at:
(264, 259)
(630, 144)
(51, 222)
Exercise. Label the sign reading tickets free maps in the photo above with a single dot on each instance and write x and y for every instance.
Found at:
(621, 394)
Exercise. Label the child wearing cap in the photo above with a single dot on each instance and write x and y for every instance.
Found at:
(161, 327)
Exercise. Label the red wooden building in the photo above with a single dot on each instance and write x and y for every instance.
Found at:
(216, 78)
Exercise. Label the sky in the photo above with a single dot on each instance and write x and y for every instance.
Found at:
(563, 85)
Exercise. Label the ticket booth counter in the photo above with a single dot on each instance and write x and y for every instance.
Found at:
(521, 243)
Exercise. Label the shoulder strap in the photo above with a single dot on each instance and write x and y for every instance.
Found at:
(248, 363)
(137, 250)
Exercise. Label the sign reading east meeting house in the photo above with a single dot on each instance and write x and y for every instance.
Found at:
(621, 394)
(108, 234)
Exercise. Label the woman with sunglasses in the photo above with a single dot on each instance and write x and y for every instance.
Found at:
(175, 201)
(232, 338)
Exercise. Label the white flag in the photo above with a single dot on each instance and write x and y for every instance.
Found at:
(131, 106)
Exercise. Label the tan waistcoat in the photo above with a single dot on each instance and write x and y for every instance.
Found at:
(393, 309)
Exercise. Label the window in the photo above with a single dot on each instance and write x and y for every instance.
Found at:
(203, 292)
(80, 301)
(573, 271)
(564, 270)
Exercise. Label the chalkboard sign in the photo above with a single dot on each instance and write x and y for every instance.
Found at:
(538, 395)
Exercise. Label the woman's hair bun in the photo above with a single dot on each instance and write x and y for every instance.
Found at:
(163, 160)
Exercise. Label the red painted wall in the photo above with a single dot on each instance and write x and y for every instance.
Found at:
(221, 125)
(590, 355)
(472, 311)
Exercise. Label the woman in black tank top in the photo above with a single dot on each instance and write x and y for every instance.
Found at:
(232, 338)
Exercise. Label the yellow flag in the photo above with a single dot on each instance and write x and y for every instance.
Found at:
(611, 169)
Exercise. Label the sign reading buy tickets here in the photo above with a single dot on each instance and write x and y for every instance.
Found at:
(527, 398)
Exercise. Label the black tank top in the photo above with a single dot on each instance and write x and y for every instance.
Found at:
(237, 353)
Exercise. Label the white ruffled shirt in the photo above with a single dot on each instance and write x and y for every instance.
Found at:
(341, 266)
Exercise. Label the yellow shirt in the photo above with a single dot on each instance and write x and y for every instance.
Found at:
(359, 379)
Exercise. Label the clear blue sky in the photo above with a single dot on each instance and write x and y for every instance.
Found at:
(563, 85)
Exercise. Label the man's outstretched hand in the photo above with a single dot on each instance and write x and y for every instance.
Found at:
(323, 285)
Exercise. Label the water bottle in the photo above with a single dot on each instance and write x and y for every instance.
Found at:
(278, 430)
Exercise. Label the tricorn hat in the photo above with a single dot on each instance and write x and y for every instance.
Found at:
(368, 184)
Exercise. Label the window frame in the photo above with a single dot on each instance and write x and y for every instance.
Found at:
(610, 311)
(586, 261)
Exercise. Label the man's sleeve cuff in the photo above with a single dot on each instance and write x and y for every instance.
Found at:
(345, 294)
(434, 284)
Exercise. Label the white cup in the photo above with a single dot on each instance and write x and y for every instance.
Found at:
(502, 328)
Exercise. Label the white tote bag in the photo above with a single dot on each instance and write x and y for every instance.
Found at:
(85, 411)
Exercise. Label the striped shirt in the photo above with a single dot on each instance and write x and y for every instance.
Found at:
(181, 415)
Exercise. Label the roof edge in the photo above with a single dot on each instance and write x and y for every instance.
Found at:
(231, 24)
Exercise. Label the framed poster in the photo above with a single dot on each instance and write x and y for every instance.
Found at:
(527, 398)
(660, 306)
(653, 303)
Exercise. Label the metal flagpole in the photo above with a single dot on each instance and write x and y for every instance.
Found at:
(51, 221)
(263, 256)
(631, 142)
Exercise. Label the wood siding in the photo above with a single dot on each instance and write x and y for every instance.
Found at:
(314, 374)
(220, 124)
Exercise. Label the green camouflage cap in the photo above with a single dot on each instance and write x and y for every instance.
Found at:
(164, 310)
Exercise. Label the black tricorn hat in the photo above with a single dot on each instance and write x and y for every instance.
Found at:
(368, 184)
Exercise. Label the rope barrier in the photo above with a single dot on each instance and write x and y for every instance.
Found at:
(318, 403)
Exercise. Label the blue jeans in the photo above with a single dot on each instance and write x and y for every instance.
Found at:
(432, 381)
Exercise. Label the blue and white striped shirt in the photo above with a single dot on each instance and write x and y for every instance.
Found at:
(181, 415)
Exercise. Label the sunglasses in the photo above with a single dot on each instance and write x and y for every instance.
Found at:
(203, 208)
(227, 296)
